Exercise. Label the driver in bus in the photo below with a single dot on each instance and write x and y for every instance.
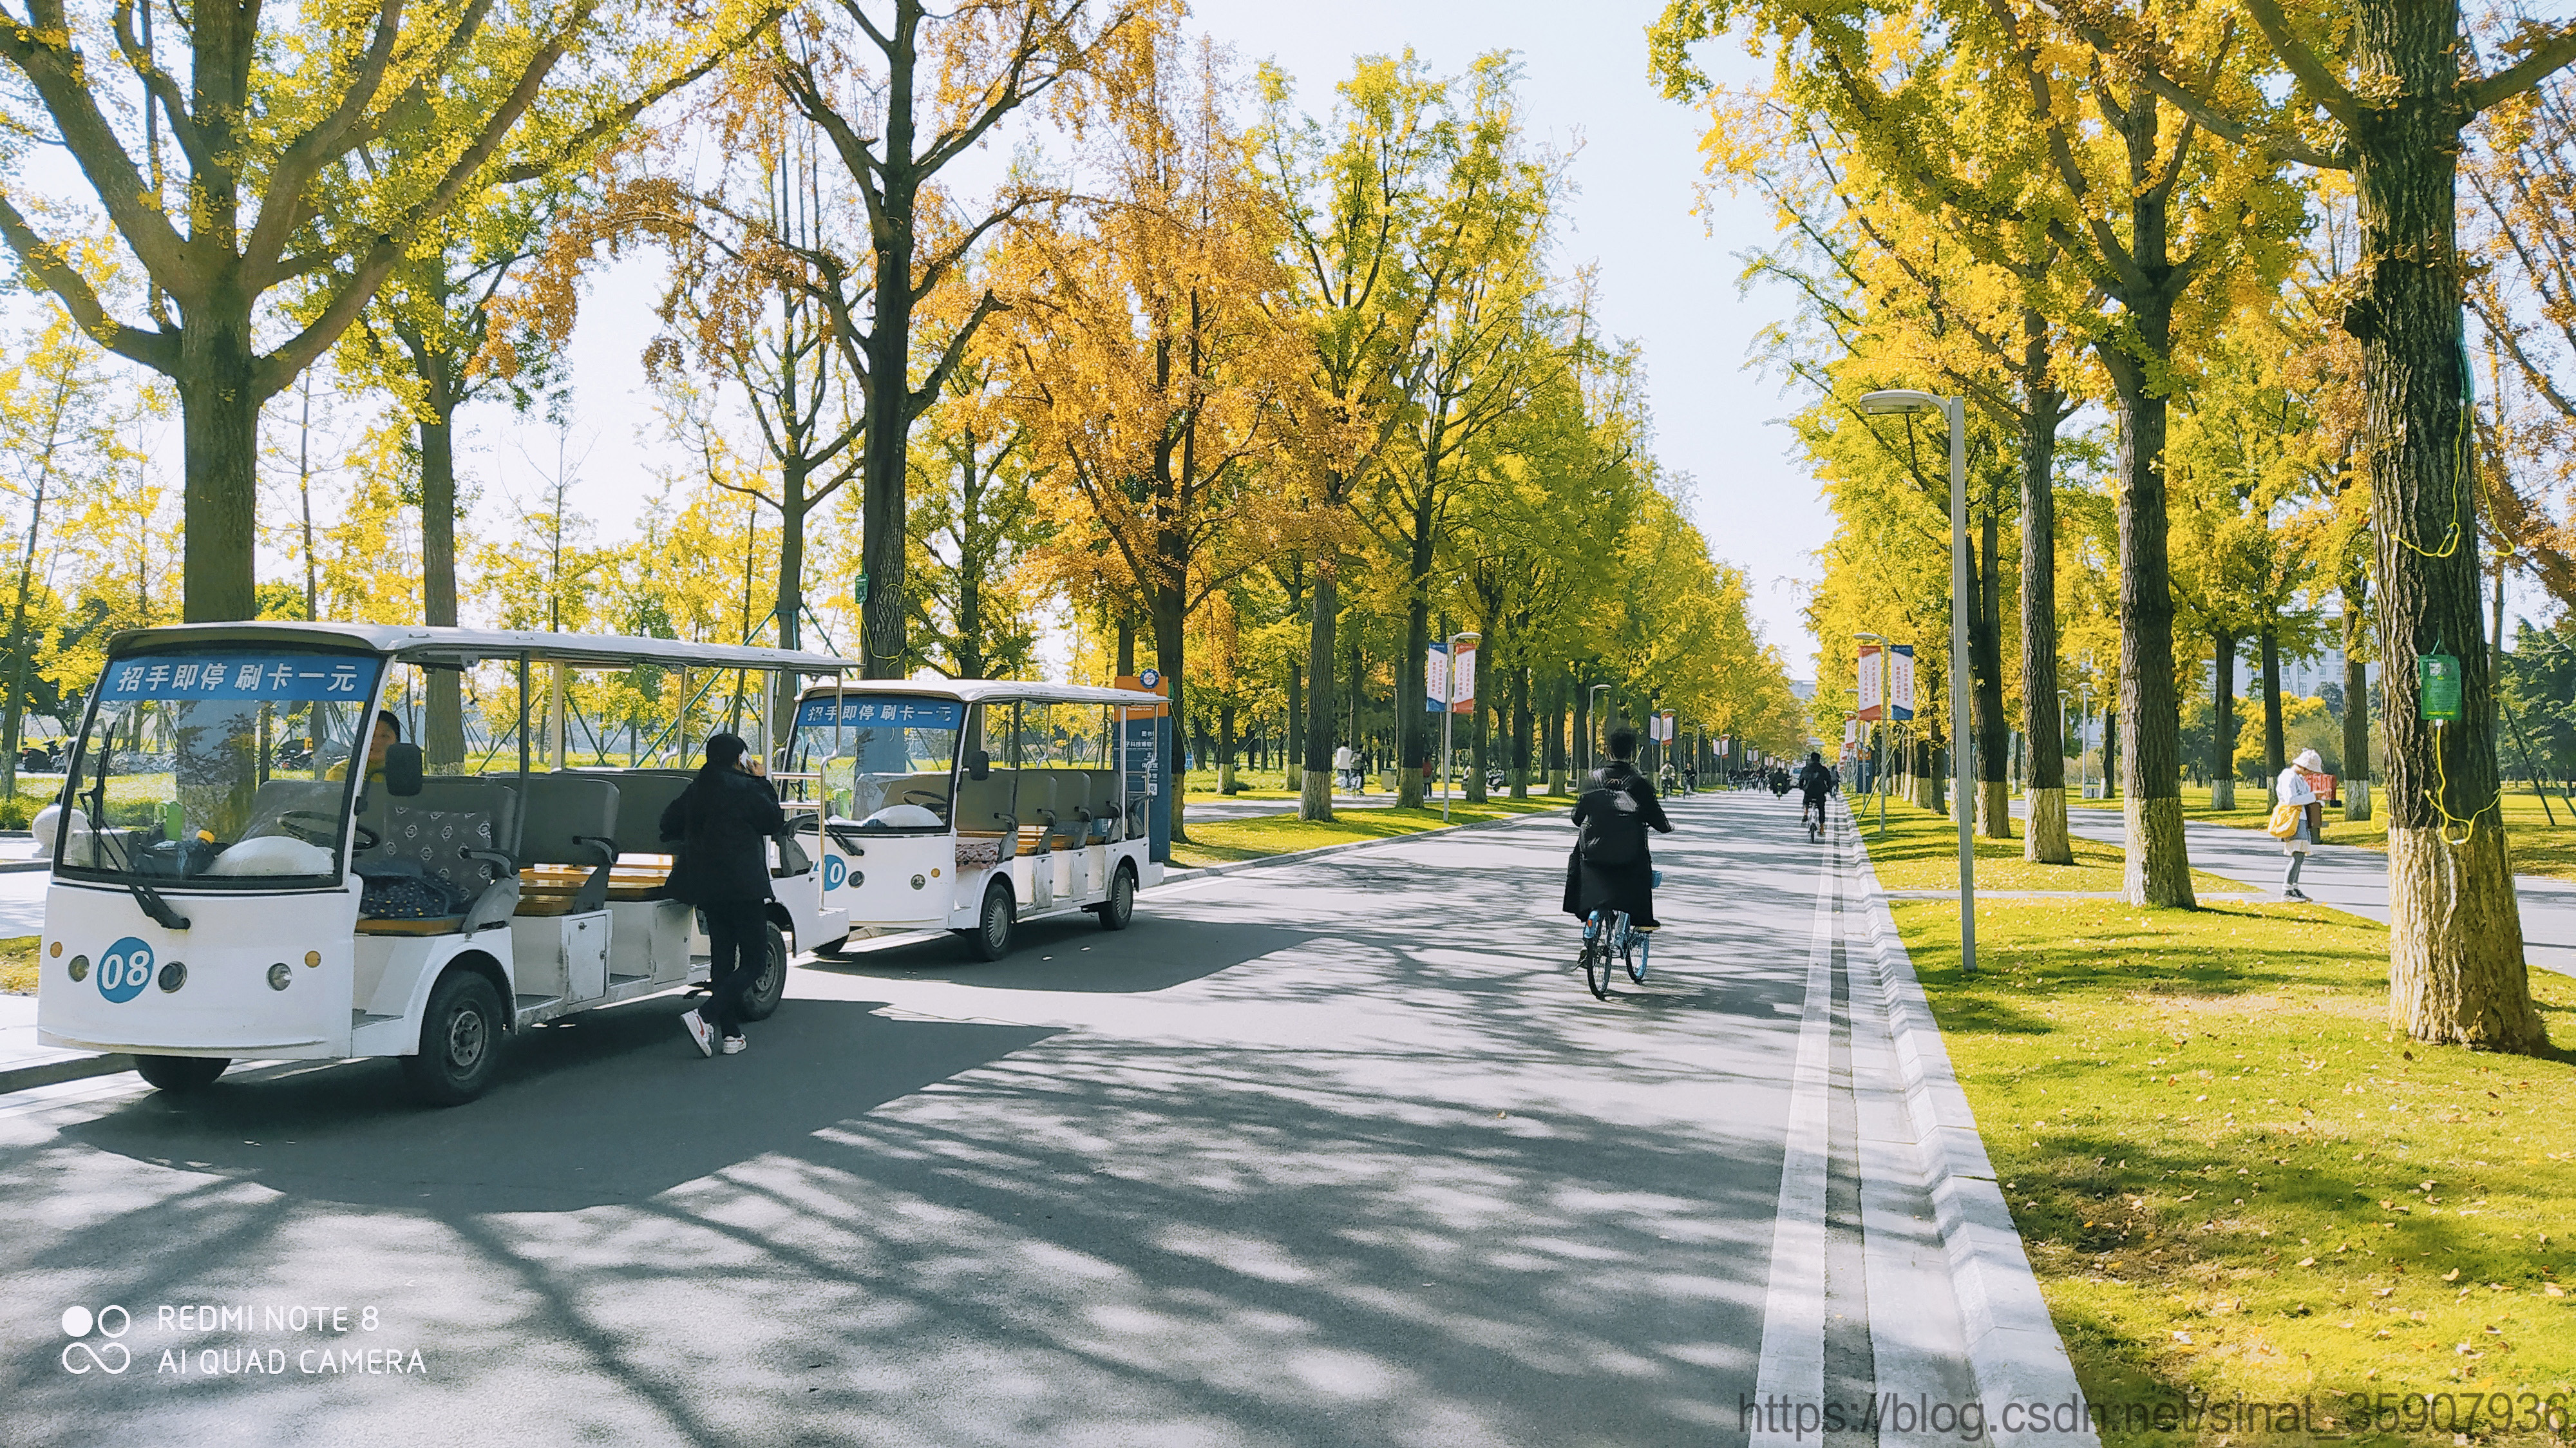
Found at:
(388, 733)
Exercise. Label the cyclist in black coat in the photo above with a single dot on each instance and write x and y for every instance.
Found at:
(722, 823)
(1617, 790)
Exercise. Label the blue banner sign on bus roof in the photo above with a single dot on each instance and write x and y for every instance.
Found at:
(278, 680)
(901, 713)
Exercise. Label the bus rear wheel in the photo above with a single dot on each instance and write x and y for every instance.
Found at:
(1120, 907)
(770, 986)
(460, 1042)
(179, 1075)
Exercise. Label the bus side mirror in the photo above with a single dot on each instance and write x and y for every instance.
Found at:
(979, 765)
(402, 769)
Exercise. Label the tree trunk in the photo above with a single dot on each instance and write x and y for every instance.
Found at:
(1986, 656)
(2456, 972)
(2273, 746)
(1315, 795)
(888, 348)
(1559, 710)
(442, 739)
(19, 653)
(2222, 719)
(1520, 733)
(2044, 839)
(1412, 732)
(219, 429)
(1290, 724)
(2150, 765)
(1169, 617)
(1225, 748)
(1476, 754)
(2356, 702)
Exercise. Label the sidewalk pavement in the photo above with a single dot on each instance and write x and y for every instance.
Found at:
(2349, 878)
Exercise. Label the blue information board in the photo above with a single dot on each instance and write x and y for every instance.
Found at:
(1149, 777)
(268, 678)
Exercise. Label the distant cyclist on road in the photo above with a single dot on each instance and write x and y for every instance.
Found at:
(1611, 867)
(1815, 781)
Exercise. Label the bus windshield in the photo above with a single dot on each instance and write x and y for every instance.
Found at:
(219, 767)
(885, 759)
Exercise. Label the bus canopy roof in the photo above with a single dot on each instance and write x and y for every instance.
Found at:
(420, 644)
(977, 691)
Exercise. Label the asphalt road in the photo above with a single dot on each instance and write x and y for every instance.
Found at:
(1332, 1153)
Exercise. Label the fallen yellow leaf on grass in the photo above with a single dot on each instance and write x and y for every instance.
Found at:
(2307, 1261)
(2451, 1276)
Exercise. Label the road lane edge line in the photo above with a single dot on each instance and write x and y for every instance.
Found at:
(1791, 1369)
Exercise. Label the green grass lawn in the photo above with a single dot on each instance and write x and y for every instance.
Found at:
(18, 965)
(2234, 1179)
(2541, 841)
(1920, 851)
(1214, 842)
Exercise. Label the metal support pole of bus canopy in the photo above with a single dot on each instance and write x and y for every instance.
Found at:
(523, 716)
(556, 719)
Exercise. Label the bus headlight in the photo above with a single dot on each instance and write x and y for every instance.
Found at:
(173, 976)
(80, 967)
(279, 977)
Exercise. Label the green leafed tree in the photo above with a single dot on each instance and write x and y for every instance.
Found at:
(248, 157)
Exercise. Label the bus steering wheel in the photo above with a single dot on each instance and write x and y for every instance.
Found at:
(322, 829)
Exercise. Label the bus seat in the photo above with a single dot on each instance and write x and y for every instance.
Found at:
(989, 806)
(572, 820)
(454, 829)
(1073, 811)
(1037, 812)
(642, 796)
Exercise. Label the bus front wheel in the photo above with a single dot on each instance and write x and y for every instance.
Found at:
(180, 1074)
(460, 1042)
(994, 926)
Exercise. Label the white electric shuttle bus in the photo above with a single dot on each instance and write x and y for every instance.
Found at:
(973, 805)
(233, 880)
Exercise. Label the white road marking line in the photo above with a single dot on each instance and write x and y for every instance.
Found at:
(1792, 1366)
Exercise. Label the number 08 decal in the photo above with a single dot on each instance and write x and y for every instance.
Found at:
(125, 970)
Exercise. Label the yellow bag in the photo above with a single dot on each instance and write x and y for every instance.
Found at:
(2284, 821)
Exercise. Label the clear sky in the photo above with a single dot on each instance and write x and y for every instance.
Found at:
(1668, 275)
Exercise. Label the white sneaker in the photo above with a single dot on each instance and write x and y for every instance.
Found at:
(700, 1034)
(733, 1045)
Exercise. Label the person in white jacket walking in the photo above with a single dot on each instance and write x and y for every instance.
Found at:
(2293, 788)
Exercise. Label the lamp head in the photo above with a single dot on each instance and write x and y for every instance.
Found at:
(1900, 399)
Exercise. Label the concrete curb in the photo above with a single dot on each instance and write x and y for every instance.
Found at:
(2013, 1345)
(68, 1068)
(1183, 876)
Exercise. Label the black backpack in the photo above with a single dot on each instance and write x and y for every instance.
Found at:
(1614, 831)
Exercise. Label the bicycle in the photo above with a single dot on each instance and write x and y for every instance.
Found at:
(1813, 816)
(1607, 936)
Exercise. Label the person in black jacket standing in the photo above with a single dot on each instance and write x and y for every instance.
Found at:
(1619, 800)
(722, 823)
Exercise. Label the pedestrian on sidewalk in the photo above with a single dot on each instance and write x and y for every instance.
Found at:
(722, 823)
(1611, 867)
(1342, 772)
(2293, 789)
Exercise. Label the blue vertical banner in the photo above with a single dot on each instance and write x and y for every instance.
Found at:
(1900, 681)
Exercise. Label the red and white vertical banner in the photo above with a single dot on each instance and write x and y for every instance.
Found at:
(1873, 683)
(1449, 682)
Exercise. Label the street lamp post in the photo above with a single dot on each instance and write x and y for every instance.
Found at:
(2083, 741)
(1449, 698)
(1955, 411)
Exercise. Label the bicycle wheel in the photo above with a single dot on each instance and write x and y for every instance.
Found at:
(1596, 962)
(1639, 947)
